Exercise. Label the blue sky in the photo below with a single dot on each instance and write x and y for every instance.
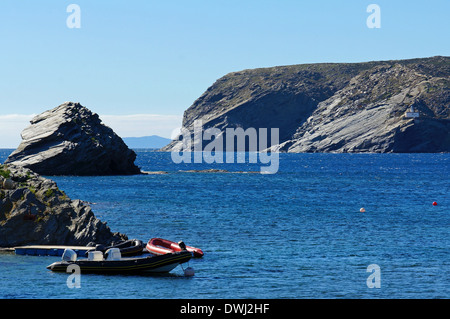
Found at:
(156, 57)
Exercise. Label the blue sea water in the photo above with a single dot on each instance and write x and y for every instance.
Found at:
(295, 234)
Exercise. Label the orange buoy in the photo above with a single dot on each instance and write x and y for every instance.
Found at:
(434, 203)
(362, 210)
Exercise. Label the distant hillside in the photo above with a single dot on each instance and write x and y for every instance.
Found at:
(153, 141)
(335, 107)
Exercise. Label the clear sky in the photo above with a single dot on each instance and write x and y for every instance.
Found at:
(152, 59)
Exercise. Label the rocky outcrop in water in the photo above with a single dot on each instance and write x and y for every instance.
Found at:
(71, 140)
(334, 107)
(33, 210)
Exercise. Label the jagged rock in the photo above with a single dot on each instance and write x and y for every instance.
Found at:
(36, 211)
(368, 115)
(71, 140)
(333, 107)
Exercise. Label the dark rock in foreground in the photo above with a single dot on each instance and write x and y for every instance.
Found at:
(71, 140)
(34, 211)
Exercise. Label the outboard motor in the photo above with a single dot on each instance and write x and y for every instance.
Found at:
(69, 255)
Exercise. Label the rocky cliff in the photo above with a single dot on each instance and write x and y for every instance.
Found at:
(33, 210)
(335, 107)
(71, 140)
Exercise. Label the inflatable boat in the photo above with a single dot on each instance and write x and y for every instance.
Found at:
(131, 247)
(113, 262)
(159, 246)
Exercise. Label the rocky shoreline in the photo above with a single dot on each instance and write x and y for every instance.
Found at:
(333, 107)
(33, 210)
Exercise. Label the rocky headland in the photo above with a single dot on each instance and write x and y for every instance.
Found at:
(334, 107)
(33, 210)
(72, 140)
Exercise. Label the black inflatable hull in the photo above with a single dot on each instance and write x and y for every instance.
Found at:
(130, 247)
(152, 264)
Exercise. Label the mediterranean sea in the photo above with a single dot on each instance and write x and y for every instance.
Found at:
(295, 234)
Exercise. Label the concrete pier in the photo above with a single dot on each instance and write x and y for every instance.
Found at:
(44, 250)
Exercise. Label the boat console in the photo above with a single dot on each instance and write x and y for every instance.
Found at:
(113, 254)
(95, 255)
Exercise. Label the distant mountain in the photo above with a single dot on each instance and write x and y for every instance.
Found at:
(153, 141)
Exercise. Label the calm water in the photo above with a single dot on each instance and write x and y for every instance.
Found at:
(295, 234)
